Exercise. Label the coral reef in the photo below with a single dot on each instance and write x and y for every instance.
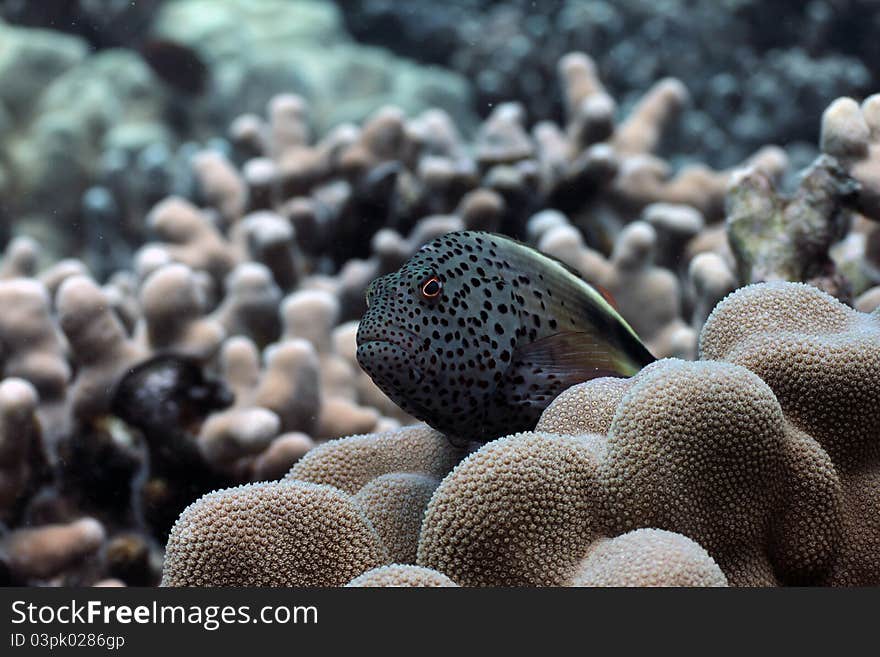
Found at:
(189, 379)
(690, 473)
(104, 163)
(363, 495)
(738, 57)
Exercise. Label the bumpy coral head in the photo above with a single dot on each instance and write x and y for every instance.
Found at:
(473, 335)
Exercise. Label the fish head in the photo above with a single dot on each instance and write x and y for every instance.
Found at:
(439, 334)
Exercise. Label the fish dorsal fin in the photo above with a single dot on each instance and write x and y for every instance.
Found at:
(607, 296)
(542, 369)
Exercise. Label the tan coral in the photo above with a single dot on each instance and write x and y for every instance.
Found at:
(518, 512)
(852, 134)
(869, 300)
(99, 345)
(269, 239)
(221, 184)
(46, 551)
(283, 396)
(343, 417)
(704, 450)
(584, 408)
(398, 575)
(381, 139)
(700, 449)
(31, 348)
(351, 463)
(648, 557)
(822, 361)
(285, 450)
(711, 279)
(290, 385)
(174, 312)
(190, 238)
(250, 305)
(648, 296)
(230, 435)
(288, 123)
(395, 503)
(310, 315)
(20, 259)
(20, 442)
(286, 533)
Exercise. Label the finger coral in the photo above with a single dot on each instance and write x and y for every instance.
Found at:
(31, 348)
(852, 134)
(47, 551)
(20, 443)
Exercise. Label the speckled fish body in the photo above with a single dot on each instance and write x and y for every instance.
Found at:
(477, 333)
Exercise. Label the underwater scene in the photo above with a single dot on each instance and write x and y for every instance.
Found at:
(370, 293)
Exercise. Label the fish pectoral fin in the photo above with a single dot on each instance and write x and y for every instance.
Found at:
(544, 368)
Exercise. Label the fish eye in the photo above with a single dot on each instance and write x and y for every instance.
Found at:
(431, 287)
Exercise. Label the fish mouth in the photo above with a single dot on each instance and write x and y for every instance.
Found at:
(405, 368)
(399, 337)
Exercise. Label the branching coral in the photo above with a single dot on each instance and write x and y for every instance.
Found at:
(21, 454)
(173, 304)
(852, 134)
(283, 397)
(47, 551)
(31, 348)
(99, 343)
(775, 238)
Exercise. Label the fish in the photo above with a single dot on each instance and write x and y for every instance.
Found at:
(477, 333)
